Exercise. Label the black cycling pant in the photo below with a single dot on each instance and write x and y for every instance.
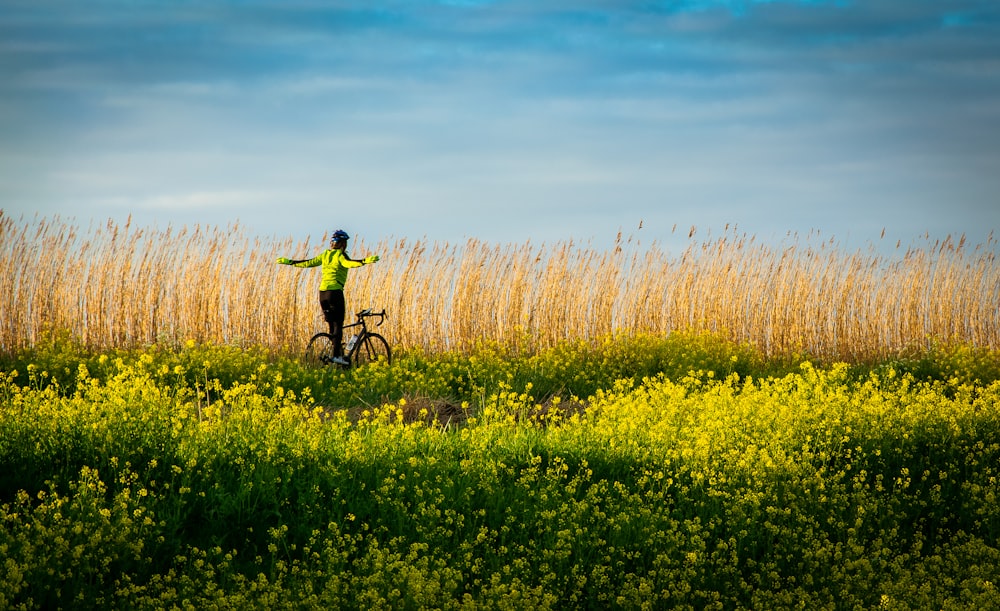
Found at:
(332, 303)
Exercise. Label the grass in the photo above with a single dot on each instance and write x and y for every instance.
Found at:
(735, 426)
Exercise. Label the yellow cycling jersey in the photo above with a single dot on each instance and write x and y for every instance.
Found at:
(335, 265)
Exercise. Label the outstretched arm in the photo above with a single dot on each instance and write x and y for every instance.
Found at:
(300, 262)
(349, 262)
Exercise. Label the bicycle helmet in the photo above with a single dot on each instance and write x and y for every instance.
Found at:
(339, 235)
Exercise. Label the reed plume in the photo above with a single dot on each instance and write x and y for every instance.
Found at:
(118, 285)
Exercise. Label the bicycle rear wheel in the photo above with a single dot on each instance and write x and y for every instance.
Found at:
(371, 349)
(319, 352)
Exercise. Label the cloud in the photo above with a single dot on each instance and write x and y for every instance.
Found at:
(203, 200)
(473, 116)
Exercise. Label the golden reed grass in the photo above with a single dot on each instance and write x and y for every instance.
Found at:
(115, 285)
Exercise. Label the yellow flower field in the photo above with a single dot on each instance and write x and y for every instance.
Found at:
(685, 472)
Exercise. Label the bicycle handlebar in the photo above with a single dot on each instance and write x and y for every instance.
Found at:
(368, 312)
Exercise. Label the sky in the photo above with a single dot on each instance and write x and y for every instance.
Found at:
(507, 120)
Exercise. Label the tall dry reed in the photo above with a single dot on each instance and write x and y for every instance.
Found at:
(120, 285)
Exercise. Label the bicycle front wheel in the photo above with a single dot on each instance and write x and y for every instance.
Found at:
(371, 349)
(319, 352)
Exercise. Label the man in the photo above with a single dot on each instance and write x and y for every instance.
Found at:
(335, 262)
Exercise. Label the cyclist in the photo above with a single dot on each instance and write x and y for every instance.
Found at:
(335, 262)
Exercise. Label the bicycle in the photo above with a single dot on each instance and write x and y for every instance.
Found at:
(361, 348)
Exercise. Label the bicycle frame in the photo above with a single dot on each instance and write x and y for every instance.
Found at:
(367, 346)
